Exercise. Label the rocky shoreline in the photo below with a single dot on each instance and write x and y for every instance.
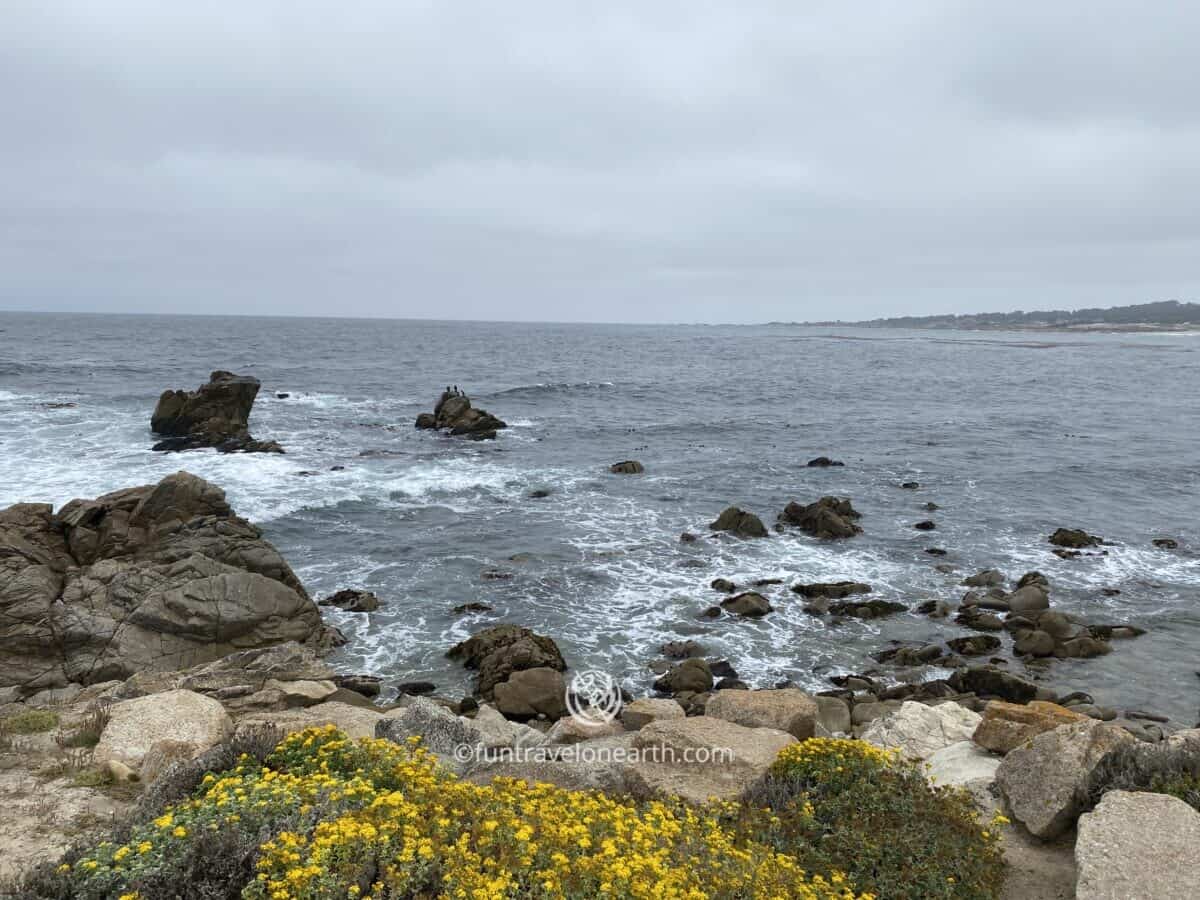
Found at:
(151, 626)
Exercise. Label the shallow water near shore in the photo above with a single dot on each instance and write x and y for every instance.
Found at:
(1011, 435)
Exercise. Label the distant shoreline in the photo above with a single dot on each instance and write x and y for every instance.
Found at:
(1094, 327)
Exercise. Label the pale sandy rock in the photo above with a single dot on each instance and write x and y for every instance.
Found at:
(641, 712)
(702, 757)
(918, 731)
(790, 710)
(1138, 846)
(134, 726)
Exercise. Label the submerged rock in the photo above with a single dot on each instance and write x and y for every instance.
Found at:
(454, 413)
(824, 462)
(834, 590)
(747, 604)
(351, 600)
(628, 467)
(216, 414)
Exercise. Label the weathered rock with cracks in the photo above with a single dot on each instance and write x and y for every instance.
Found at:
(216, 414)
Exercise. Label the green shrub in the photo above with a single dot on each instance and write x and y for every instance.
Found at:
(32, 721)
(846, 805)
(1156, 768)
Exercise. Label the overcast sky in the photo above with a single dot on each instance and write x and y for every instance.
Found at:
(649, 161)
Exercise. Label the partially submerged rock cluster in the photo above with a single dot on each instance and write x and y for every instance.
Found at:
(217, 414)
(455, 414)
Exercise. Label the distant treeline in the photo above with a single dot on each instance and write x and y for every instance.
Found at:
(1165, 312)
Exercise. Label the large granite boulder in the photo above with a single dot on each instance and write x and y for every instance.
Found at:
(1005, 726)
(1074, 538)
(540, 692)
(149, 579)
(702, 757)
(788, 709)
(497, 652)
(918, 731)
(829, 517)
(454, 413)
(1138, 845)
(136, 726)
(216, 414)
(1044, 782)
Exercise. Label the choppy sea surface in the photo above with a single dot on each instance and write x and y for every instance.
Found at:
(1012, 435)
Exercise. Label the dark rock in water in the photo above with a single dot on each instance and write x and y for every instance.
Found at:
(945, 568)
(1033, 578)
(282, 395)
(1033, 643)
(681, 649)
(935, 551)
(472, 607)
(926, 525)
(1166, 543)
(911, 485)
(1111, 592)
(350, 600)
(1074, 538)
(907, 656)
(977, 618)
(724, 585)
(974, 645)
(834, 590)
(766, 582)
(367, 685)
(216, 414)
(1030, 598)
(989, 598)
(496, 575)
(829, 517)
(748, 604)
(628, 467)
(988, 681)
(688, 538)
(866, 609)
(306, 473)
(454, 413)
(1084, 647)
(986, 578)
(1063, 553)
(930, 507)
(143, 580)
(731, 684)
(712, 612)
(539, 494)
(722, 668)
(935, 609)
(1116, 632)
(337, 468)
(416, 688)
(739, 522)
(824, 462)
(691, 675)
(501, 650)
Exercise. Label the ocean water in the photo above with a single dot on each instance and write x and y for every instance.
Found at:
(1012, 435)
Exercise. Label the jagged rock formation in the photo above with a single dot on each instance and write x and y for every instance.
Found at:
(454, 413)
(152, 578)
(216, 414)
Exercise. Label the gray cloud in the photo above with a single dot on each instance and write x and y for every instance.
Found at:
(629, 162)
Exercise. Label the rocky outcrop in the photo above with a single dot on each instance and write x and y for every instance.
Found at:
(834, 590)
(454, 413)
(750, 604)
(497, 652)
(216, 414)
(739, 522)
(789, 709)
(1005, 726)
(1138, 845)
(1044, 781)
(690, 676)
(148, 579)
(824, 462)
(829, 517)
(533, 693)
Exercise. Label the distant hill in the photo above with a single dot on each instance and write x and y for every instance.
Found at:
(1164, 315)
